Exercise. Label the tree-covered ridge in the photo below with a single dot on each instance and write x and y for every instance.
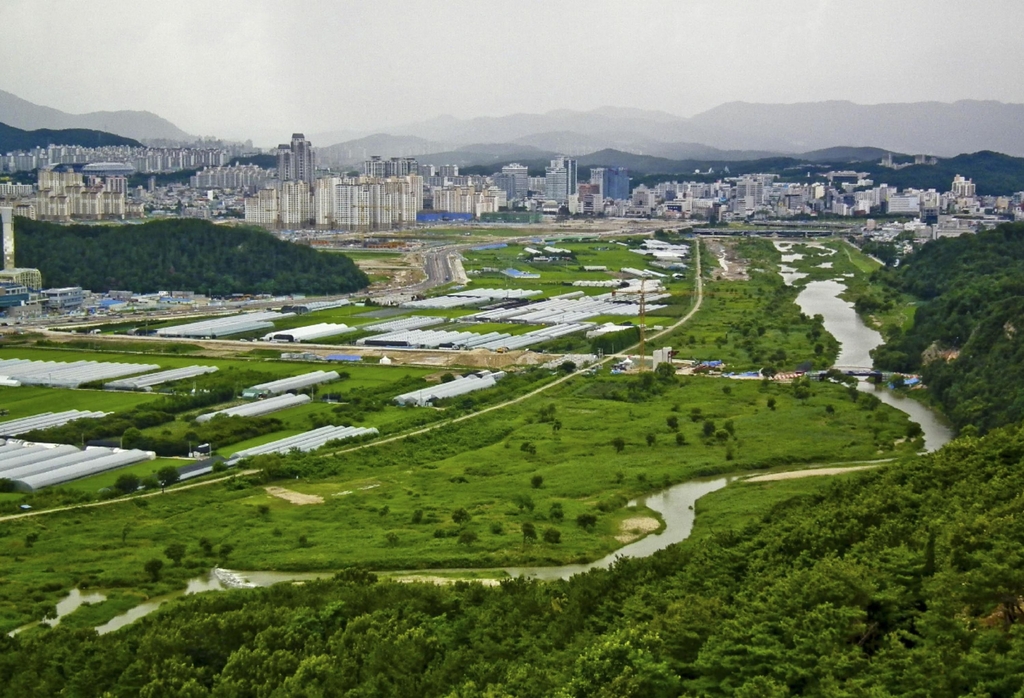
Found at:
(180, 255)
(973, 286)
(12, 138)
(905, 581)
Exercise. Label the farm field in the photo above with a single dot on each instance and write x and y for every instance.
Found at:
(557, 277)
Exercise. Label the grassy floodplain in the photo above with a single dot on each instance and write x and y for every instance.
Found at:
(752, 324)
(483, 466)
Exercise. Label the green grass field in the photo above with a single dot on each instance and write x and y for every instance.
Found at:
(480, 466)
(29, 400)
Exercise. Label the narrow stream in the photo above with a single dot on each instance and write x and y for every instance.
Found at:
(675, 504)
(937, 432)
(66, 606)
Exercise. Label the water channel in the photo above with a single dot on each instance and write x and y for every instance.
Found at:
(675, 504)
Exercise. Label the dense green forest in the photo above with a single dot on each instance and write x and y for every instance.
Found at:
(180, 254)
(993, 173)
(973, 292)
(904, 581)
(12, 138)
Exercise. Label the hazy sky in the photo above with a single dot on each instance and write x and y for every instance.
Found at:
(252, 68)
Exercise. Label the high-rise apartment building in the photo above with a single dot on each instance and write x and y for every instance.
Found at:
(614, 183)
(295, 161)
(963, 188)
(560, 179)
(7, 216)
(62, 196)
(520, 180)
(395, 167)
(469, 199)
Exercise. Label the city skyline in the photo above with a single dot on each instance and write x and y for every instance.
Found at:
(253, 70)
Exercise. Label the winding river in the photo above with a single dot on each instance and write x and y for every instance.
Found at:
(675, 504)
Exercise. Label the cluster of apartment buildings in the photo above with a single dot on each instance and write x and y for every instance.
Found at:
(765, 196)
(144, 159)
(400, 191)
(64, 196)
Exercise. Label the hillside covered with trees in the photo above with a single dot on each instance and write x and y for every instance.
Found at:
(180, 254)
(904, 581)
(972, 288)
(12, 138)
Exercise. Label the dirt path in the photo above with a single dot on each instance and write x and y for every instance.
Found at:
(123, 500)
(792, 475)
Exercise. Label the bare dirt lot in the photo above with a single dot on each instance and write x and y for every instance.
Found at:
(294, 497)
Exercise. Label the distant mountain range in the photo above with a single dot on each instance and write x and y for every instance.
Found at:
(17, 139)
(489, 157)
(736, 131)
(733, 131)
(140, 125)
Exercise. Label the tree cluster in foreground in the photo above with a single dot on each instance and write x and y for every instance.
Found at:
(905, 581)
(191, 255)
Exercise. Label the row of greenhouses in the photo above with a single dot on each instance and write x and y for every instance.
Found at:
(459, 386)
(259, 407)
(225, 326)
(61, 374)
(284, 385)
(308, 441)
(30, 466)
(309, 333)
(45, 420)
(149, 380)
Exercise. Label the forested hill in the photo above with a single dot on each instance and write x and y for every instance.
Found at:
(972, 288)
(993, 173)
(180, 255)
(905, 581)
(12, 138)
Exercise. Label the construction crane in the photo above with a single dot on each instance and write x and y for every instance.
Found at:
(643, 324)
(642, 320)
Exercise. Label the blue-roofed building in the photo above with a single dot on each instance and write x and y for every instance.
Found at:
(516, 274)
(344, 357)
